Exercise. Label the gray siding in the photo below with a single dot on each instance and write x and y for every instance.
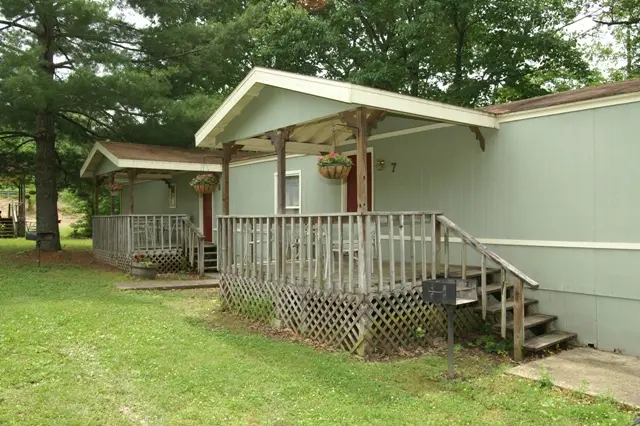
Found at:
(252, 188)
(152, 197)
(565, 178)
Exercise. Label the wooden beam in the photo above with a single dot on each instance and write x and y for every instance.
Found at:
(228, 151)
(279, 140)
(132, 184)
(112, 201)
(476, 131)
(266, 145)
(361, 160)
(97, 180)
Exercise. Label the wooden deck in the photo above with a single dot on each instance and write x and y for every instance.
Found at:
(169, 285)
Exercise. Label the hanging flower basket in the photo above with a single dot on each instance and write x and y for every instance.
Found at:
(204, 183)
(334, 166)
(114, 188)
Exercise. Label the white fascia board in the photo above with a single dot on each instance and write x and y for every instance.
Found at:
(97, 147)
(346, 93)
(169, 165)
(422, 108)
(85, 166)
(626, 98)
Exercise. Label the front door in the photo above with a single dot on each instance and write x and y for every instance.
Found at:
(207, 217)
(352, 185)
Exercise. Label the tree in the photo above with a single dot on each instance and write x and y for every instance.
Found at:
(66, 69)
(620, 19)
(467, 52)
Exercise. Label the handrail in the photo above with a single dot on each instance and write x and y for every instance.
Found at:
(193, 240)
(530, 282)
(315, 215)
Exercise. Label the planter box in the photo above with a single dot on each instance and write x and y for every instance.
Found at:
(146, 272)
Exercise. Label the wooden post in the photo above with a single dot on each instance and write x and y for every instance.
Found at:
(112, 203)
(361, 160)
(518, 320)
(279, 140)
(131, 173)
(96, 195)
(227, 153)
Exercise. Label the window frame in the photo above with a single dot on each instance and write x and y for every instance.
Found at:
(289, 173)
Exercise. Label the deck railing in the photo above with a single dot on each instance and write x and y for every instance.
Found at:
(194, 245)
(130, 233)
(350, 252)
(363, 253)
(506, 269)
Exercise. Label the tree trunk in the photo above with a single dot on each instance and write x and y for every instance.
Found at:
(45, 137)
(46, 187)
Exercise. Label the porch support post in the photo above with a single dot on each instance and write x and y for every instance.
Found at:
(96, 195)
(361, 160)
(131, 173)
(279, 141)
(228, 150)
(112, 202)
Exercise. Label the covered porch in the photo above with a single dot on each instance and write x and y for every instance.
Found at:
(159, 215)
(350, 278)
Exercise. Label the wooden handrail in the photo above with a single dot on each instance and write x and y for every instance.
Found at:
(193, 240)
(468, 238)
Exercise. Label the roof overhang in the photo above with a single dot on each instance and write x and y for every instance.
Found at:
(99, 152)
(309, 135)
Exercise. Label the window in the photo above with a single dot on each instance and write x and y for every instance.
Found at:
(293, 192)
(173, 198)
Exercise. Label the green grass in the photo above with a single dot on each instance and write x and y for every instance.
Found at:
(75, 351)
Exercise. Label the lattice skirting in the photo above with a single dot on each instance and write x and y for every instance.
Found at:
(168, 262)
(371, 325)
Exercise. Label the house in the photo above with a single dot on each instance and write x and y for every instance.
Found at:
(533, 200)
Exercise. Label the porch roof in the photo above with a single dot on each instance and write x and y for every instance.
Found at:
(316, 113)
(153, 159)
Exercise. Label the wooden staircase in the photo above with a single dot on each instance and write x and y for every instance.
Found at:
(210, 258)
(7, 228)
(501, 293)
(540, 332)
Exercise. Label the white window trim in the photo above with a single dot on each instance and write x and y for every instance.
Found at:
(343, 187)
(275, 190)
(175, 188)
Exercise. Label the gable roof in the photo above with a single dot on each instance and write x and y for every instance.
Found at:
(155, 157)
(568, 97)
(350, 95)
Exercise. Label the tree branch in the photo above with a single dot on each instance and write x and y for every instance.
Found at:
(14, 23)
(629, 21)
(81, 126)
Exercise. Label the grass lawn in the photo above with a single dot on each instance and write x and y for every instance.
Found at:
(75, 351)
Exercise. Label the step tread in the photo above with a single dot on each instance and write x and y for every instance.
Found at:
(474, 273)
(530, 321)
(497, 307)
(494, 288)
(549, 339)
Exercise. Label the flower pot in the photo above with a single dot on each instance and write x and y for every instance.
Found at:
(115, 193)
(142, 271)
(337, 171)
(203, 189)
